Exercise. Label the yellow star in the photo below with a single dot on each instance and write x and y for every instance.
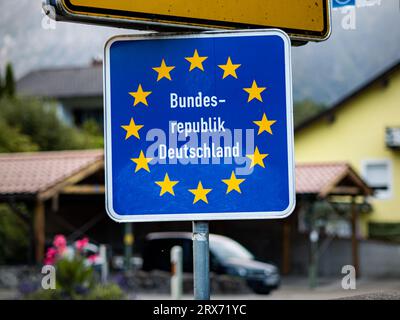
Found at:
(200, 193)
(167, 185)
(233, 183)
(142, 162)
(140, 96)
(255, 92)
(196, 61)
(132, 130)
(163, 71)
(229, 68)
(264, 124)
(257, 158)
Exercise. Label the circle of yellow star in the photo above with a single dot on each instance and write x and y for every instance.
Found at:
(264, 125)
(164, 71)
(229, 69)
(132, 129)
(140, 96)
(196, 61)
(233, 183)
(255, 92)
(257, 158)
(142, 162)
(200, 193)
(167, 185)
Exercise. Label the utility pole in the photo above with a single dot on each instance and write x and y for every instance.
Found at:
(128, 245)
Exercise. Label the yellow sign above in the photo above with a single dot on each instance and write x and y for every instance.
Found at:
(302, 20)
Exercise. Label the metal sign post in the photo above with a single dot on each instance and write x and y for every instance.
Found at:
(201, 260)
(199, 127)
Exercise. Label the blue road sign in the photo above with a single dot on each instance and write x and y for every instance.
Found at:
(343, 3)
(199, 127)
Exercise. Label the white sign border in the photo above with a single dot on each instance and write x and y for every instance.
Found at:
(198, 216)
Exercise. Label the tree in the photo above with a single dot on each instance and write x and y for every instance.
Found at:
(33, 125)
(9, 87)
(12, 140)
(1, 86)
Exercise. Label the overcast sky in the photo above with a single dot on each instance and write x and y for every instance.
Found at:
(322, 71)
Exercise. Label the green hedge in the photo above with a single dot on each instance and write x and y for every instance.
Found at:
(14, 237)
(385, 231)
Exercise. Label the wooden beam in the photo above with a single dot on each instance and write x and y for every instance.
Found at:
(15, 209)
(354, 238)
(367, 191)
(356, 180)
(39, 230)
(71, 180)
(345, 190)
(84, 189)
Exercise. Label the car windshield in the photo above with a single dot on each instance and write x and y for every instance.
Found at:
(224, 248)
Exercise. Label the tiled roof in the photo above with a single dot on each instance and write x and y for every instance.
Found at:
(63, 82)
(32, 173)
(318, 178)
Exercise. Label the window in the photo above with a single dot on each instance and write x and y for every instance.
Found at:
(378, 174)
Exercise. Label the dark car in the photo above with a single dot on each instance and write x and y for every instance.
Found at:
(227, 257)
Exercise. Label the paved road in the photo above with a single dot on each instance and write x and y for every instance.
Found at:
(297, 289)
(7, 294)
(376, 296)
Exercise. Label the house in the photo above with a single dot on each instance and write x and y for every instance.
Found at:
(363, 129)
(77, 91)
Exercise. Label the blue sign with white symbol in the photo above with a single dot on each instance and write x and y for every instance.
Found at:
(199, 127)
(343, 3)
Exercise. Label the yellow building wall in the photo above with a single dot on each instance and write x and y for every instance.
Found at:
(357, 134)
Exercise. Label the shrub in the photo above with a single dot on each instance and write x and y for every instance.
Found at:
(106, 292)
(45, 295)
(14, 237)
(75, 276)
(32, 124)
(12, 140)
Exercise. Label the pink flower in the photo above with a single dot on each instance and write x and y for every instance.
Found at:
(92, 259)
(60, 243)
(50, 256)
(51, 253)
(48, 261)
(81, 244)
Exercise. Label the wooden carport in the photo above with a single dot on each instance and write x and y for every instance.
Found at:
(34, 178)
(335, 183)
